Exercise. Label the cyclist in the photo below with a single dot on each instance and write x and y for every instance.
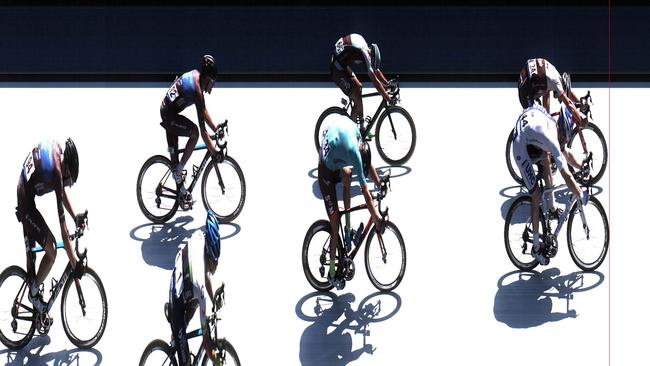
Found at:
(47, 169)
(538, 78)
(191, 283)
(353, 50)
(342, 147)
(188, 89)
(537, 133)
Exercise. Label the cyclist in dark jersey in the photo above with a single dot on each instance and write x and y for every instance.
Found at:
(353, 50)
(46, 169)
(188, 90)
(342, 152)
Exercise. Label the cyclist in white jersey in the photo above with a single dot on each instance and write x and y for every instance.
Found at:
(537, 133)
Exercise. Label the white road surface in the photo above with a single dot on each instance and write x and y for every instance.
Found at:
(461, 301)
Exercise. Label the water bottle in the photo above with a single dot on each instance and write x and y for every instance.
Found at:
(359, 232)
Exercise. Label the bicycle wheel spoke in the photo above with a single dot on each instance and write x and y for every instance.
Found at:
(224, 193)
(519, 234)
(395, 137)
(386, 258)
(156, 190)
(16, 317)
(84, 311)
(588, 235)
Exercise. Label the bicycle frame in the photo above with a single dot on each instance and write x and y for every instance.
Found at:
(565, 216)
(382, 106)
(366, 230)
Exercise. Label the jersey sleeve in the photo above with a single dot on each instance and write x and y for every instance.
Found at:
(553, 79)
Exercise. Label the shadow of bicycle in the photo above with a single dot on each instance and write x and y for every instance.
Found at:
(33, 355)
(329, 339)
(160, 243)
(524, 298)
(355, 190)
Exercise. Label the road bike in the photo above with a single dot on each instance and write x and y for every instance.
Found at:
(395, 132)
(159, 352)
(222, 190)
(385, 258)
(587, 230)
(590, 136)
(83, 311)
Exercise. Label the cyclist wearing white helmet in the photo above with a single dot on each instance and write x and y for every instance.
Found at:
(537, 133)
(342, 152)
(46, 169)
(353, 50)
(191, 283)
(187, 90)
(537, 79)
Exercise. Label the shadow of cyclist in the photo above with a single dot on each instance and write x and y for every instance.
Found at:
(32, 355)
(320, 346)
(355, 190)
(527, 302)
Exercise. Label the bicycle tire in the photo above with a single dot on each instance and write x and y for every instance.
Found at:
(314, 281)
(329, 111)
(526, 245)
(171, 204)
(394, 280)
(600, 159)
(382, 146)
(159, 345)
(577, 259)
(22, 342)
(224, 215)
(513, 169)
(376, 318)
(231, 355)
(91, 275)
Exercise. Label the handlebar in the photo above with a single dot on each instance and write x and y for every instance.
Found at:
(220, 134)
(81, 223)
(384, 187)
(219, 298)
(584, 105)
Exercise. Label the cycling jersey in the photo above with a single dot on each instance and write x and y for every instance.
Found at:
(352, 50)
(340, 148)
(182, 94)
(537, 129)
(186, 291)
(536, 79)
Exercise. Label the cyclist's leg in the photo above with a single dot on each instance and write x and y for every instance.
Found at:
(357, 103)
(178, 324)
(35, 229)
(327, 184)
(349, 86)
(346, 174)
(525, 165)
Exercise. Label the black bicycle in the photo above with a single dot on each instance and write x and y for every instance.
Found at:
(223, 190)
(83, 311)
(395, 132)
(385, 258)
(159, 352)
(588, 239)
(590, 137)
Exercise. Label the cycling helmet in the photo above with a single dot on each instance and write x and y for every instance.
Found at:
(376, 56)
(71, 159)
(366, 158)
(212, 237)
(566, 83)
(565, 122)
(208, 67)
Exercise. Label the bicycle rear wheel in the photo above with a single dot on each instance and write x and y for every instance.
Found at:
(588, 245)
(316, 255)
(386, 258)
(510, 160)
(156, 190)
(84, 311)
(518, 233)
(330, 114)
(226, 204)
(158, 353)
(596, 144)
(231, 357)
(17, 320)
(395, 136)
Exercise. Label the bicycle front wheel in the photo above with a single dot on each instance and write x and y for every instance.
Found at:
(330, 114)
(17, 321)
(156, 190)
(588, 240)
(158, 353)
(225, 195)
(518, 233)
(316, 255)
(395, 136)
(386, 258)
(231, 357)
(84, 311)
(510, 160)
(595, 142)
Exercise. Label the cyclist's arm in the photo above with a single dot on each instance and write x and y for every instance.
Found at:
(379, 86)
(570, 182)
(353, 76)
(371, 206)
(575, 114)
(60, 198)
(381, 77)
(546, 101)
(208, 343)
